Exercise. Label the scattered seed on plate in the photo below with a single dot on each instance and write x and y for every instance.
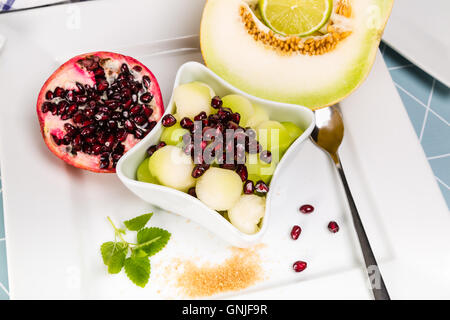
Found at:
(333, 226)
(306, 208)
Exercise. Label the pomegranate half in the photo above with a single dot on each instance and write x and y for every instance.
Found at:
(96, 106)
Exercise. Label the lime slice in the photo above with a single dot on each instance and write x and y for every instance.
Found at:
(295, 17)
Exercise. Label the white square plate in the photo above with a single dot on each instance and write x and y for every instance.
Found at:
(55, 214)
(418, 30)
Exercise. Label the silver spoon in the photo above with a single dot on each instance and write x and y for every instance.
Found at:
(328, 134)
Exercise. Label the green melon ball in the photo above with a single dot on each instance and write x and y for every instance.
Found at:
(143, 173)
(192, 98)
(259, 115)
(240, 105)
(293, 129)
(273, 136)
(172, 167)
(258, 169)
(173, 135)
(219, 188)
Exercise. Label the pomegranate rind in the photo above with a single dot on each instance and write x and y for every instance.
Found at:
(65, 77)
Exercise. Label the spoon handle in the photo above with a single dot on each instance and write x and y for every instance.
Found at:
(377, 283)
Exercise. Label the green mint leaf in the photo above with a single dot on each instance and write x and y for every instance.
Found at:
(138, 223)
(138, 270)
(113, 254)
(152, 240)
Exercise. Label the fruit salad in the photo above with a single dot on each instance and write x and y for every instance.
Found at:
(221, 150)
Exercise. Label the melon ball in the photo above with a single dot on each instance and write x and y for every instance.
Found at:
(240, 105)
(143, 173)
(247, 213)
(192, 98)
(259, 115)
(172, 167)
(273, 136)
(219, 188)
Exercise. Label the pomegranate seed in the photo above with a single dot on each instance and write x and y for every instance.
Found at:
(192, 192)
(147, 111)
(266, 156)
(102, 85)
(306, 208)
(122, 134)
(137, 68)
(59, 92)
(96, 149)
(135, 110)
(146, 97)
(168, 120)
(216, 102)
(261, 188)
(242, 172)
(199, 170)
(49, 95)
(151, 150)
(160, 145)
(295, 232)
(140, 120)
(248, 187)
(201, 116)
(129, 126)
(236, 117)
(146, 81)
(186, 123)
(299, 266)
(124, 68)
(333, 226)
(46, 106)
(139, 133)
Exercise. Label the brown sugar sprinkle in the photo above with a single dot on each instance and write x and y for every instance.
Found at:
(238, 272)
(288, 45)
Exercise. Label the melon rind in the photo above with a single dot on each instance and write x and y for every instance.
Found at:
(312, 81)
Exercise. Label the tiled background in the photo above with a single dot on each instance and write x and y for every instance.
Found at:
(427, 102)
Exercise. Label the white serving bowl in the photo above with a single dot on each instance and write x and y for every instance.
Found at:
(182, 203)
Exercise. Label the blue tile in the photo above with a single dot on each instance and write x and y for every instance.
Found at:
(445, 192)
(392, 58)
(416, 112)
(441, 169)
(415, 81)
(3, 267)
(435, 140)
(440, 102)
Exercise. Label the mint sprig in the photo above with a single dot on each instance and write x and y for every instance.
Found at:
(134, 257)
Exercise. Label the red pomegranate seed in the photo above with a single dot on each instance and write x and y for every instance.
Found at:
(261, 188)
(192, 192)
(201, 116)
(168, 120)
(299, 266)
(266, 156)
(295, 232)
(333, 226)
(199, 170)
(248, 187)
(151, 150)
(49, 95)
(242, 172)
(306, 208)
(216, 102)
(186, 123)
(160, 145)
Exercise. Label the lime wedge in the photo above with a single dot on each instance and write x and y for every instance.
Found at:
(295, 17)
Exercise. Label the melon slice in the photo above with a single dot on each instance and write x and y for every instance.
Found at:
(315, 71)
